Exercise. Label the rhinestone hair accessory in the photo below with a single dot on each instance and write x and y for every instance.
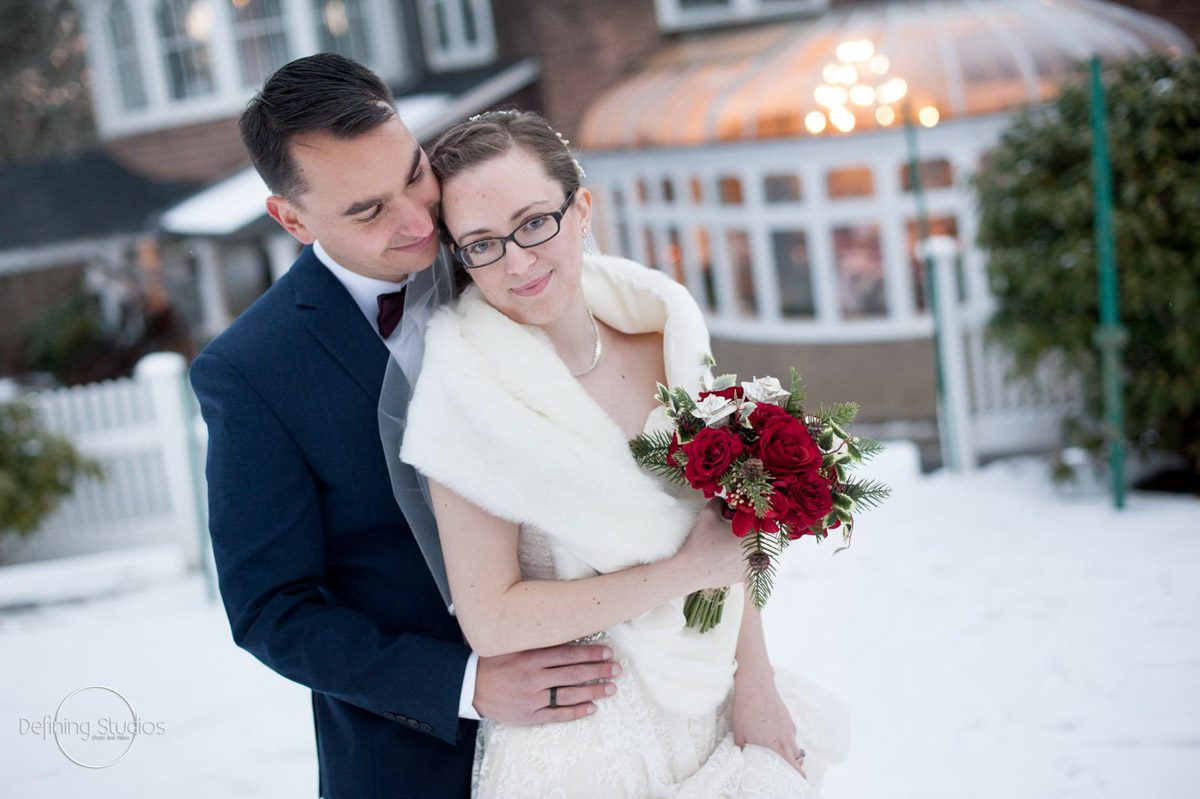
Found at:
(566, 143)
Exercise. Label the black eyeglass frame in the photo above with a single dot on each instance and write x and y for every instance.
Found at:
(504, 240)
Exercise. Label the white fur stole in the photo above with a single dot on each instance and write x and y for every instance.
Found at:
(497, 417)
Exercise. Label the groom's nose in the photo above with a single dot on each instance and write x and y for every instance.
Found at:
(415, 220)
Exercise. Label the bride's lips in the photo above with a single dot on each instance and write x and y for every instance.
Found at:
(418, 245)
(535, 287)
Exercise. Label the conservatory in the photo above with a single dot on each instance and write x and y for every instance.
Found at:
(768, 170)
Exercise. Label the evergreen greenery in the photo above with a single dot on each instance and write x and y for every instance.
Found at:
(1036, 201)
(37, 469)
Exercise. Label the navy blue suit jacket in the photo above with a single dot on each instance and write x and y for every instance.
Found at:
(320, 575)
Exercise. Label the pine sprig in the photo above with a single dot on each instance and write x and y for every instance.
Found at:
(862, 449)
(839, 414)
(762, 552)
(795, 402)
(650, 451)
(865, 494)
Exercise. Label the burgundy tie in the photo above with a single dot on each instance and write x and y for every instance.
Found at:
(391, 308)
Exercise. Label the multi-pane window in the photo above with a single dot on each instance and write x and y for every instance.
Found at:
(457, 33)
(127, 64)
(781, 188)
(185, 30)
(938, 226)
(342, 28)
(793, 274)
(858, 258)
(261, 35)
(936, 174)
(841, 184)
(737, 244)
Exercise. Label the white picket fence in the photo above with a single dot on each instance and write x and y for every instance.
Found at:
(152, 491)
(985, 410)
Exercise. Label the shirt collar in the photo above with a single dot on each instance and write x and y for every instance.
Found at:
(363, 290)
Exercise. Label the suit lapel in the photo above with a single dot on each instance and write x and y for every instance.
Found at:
(336, 322)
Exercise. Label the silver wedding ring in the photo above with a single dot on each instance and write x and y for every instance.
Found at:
(554, 696)
(800, 755)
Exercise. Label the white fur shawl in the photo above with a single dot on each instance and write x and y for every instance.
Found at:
(497, 417)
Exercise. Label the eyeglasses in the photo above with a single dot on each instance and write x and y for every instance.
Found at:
(531, 233)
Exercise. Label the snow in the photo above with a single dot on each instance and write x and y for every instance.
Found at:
(222, 208)
(991, 636)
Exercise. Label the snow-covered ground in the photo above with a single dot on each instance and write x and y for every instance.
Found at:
(992, 638)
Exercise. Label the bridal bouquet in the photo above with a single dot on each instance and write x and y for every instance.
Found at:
(782, 473)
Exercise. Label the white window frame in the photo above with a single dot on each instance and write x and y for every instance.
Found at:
(127, 57)
(961, 142)
(114, 121)
(169, 44)
(459, 54)
(256, 28)
(672, 16)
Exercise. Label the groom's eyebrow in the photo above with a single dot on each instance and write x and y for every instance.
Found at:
(368, 204)
(520, 212)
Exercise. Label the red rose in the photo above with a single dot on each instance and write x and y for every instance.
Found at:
(732, 393)
(784, 445)
(709, 456)
(743, 522)
(763, 411)
(672, 448)
(810, 500)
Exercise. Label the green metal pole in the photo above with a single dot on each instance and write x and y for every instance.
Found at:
(949, 446)
(1110, 336)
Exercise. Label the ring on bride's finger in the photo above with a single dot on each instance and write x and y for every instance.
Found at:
(800, 755)
(554, 697)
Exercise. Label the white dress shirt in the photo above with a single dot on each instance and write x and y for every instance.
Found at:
(365, 292)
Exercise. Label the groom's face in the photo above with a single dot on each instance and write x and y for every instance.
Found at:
(370, 199)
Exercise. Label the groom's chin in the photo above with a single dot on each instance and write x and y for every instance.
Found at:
(408, 261)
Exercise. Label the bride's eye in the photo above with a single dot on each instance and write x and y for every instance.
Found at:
(479, 247)
(535, 224)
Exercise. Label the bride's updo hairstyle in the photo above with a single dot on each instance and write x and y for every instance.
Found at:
(487, 136)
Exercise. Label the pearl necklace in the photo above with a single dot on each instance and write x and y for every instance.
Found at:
(599, 346)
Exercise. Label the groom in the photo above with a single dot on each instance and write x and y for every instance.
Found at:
(320, 575)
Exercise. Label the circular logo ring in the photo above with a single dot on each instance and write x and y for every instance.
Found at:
(115, 693)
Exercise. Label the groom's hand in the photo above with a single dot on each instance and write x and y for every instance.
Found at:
(515, 689)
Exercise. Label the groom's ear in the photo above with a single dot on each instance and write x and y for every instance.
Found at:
(283, 212)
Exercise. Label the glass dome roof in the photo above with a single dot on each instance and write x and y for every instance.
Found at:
(861, 67)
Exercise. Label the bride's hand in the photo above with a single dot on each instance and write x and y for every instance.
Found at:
(713, 550)
(758, 716)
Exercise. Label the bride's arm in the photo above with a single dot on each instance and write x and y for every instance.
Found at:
(500, 613)
(758, 716)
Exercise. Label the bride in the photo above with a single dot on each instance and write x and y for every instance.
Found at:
(533, 381)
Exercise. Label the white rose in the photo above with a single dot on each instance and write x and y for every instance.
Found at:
(713, 410)
(768, 390)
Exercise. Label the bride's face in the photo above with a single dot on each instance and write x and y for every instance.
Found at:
(535, 285)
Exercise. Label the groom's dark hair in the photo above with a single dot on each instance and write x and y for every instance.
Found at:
(325, 93)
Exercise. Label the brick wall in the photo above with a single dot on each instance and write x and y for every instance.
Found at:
(582, 46)
(203, 152)
(1183, 13)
